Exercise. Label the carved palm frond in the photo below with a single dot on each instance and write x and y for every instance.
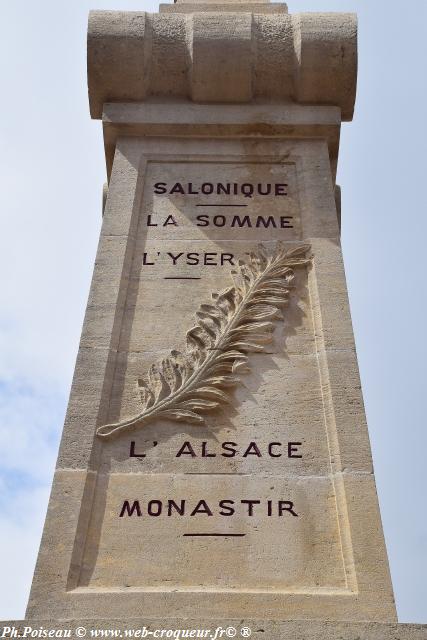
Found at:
(239, 320)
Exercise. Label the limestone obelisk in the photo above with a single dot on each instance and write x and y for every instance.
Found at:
(215, 462)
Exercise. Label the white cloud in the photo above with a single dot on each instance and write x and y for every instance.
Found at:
(20, 531)
(30, 420)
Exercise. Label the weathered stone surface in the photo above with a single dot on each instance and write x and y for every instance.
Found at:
(250, 121)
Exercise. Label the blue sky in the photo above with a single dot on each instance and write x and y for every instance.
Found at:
(52, 171)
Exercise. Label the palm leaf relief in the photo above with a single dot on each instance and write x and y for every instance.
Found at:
(238, 321)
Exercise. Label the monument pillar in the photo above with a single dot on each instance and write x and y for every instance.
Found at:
(215, 465)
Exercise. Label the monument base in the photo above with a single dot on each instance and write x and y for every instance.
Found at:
(211, 629)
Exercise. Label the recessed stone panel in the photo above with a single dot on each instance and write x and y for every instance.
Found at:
(241, 489)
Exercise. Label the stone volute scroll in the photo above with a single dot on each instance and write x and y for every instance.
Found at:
(215, 474)
(259, 56)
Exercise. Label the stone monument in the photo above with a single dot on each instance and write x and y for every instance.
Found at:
(215, 466)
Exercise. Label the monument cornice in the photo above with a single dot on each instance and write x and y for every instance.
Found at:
(185, 119)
